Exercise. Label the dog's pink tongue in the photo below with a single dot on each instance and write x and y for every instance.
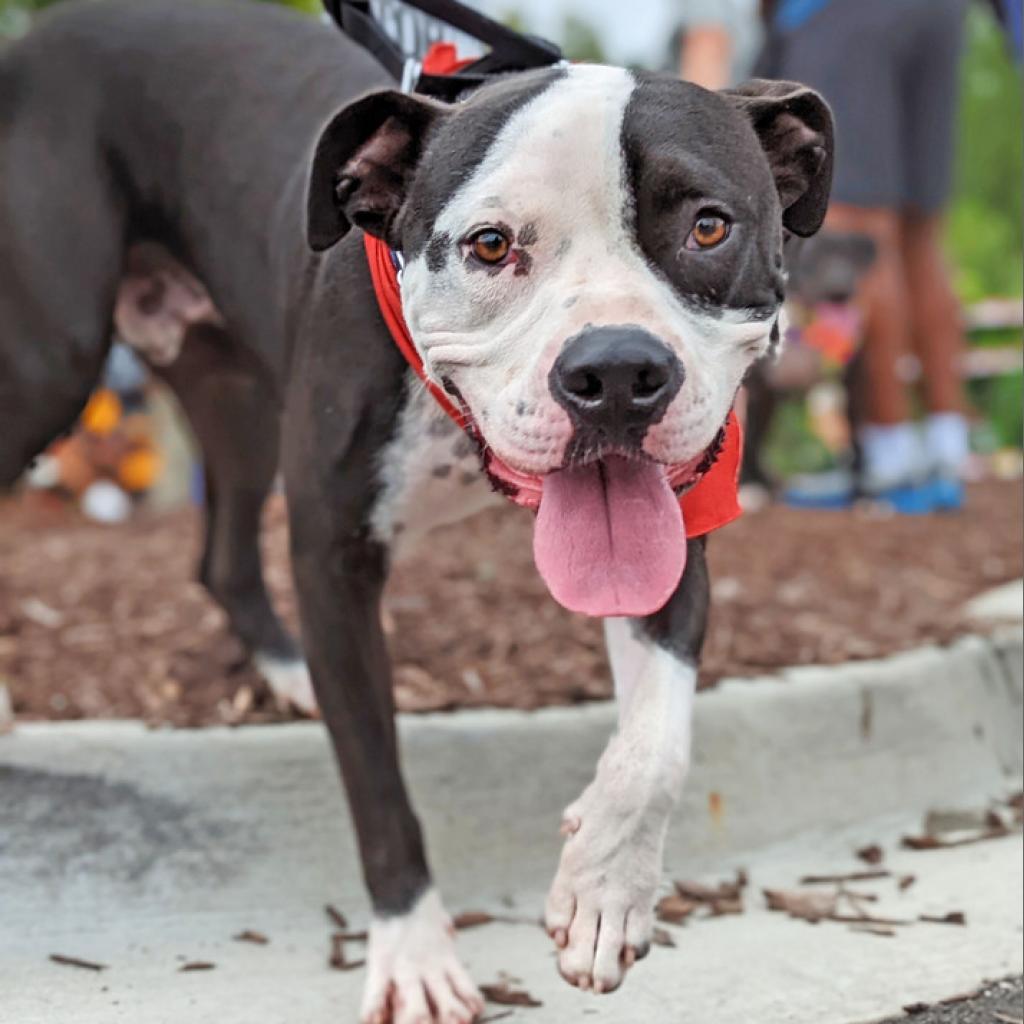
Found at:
(609, 538)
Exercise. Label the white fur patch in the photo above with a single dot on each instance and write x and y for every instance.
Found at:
(600, 907)
(430, 475)
(556, 173)
(289, 681)
(411, 965)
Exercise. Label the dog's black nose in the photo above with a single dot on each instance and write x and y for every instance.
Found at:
(615, 381)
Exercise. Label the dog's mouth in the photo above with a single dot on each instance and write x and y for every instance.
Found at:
(609, 539)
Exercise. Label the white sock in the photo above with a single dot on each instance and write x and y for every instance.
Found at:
(892, 454)
(947, 442)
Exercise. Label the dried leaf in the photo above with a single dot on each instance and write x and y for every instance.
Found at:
(906, 881)
(338, 960)
(962, 997)
(953, 917)
(504, 995)
(696, 892)
(872, 854)
(196, 965)
(720, 908)
(807, 905)
(471, 919)
(338, 919)
(243, 700)
(852, 876)
(709, 893)
(674, 909)
(257, 938)
(74, 961)
(723, 898)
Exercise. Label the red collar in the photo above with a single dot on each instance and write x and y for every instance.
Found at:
(711, 502)
(384, 275)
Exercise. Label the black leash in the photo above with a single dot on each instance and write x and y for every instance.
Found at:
(509, 50)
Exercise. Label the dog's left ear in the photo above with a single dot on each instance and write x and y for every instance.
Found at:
(363, 164)
(795, 127)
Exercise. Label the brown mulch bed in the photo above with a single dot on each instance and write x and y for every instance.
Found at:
(105, 622)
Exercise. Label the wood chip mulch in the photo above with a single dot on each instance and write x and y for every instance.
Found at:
(106, 622)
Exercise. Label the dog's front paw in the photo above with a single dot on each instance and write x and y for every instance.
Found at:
(600, 907)
(414, 975)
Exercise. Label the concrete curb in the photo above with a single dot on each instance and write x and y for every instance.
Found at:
(812, 749)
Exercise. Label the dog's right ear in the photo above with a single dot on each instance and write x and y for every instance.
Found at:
(363, 164)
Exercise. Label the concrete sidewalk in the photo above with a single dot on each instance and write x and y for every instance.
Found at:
(145, 849)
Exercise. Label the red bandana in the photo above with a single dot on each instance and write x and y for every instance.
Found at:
(711, 502)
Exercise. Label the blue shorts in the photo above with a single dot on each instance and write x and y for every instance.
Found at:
(888, 68)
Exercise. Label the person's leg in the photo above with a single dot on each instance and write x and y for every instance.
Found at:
(883, 296)
(937, 327)
(932, 57)
(851, 53)
(889, 445)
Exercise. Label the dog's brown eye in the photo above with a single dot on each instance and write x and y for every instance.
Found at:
(708, 231)
(490, 245)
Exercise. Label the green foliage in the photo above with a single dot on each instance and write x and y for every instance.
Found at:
(792, 446)
(984, 228)
(1000, 400)
(580, 41)
(305, 6)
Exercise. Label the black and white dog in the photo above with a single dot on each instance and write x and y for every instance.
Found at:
(592, 260)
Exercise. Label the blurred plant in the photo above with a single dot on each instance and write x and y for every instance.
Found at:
(581, 41)
(15, 15)
(306, 6)
(984, 226)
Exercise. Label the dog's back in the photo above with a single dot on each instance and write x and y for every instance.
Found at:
(185, 123)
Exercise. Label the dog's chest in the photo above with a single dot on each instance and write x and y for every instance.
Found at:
(430, 475)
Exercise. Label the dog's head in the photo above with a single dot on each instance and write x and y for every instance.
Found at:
(593, 257)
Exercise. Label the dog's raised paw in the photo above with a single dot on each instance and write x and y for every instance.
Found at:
(414, 975)
(599, 910)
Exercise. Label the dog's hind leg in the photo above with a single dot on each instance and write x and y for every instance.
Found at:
(60, 257)
(235, 417)
(600, 907)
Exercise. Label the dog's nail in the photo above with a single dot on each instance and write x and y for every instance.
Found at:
(561, 937)
(570, 826)
(629, 956)
(584, 981)
(598, 986)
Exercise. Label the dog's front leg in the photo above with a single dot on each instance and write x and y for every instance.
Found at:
(413, 972)
(600, 908)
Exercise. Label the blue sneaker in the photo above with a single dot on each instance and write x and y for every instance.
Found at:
(947, 493)
(906, 499)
